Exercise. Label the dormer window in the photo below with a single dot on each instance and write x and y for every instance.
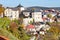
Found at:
(26, 13)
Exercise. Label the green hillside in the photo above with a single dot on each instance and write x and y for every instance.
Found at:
(12, 30)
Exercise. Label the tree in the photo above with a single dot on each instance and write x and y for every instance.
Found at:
(13, 26)
(22, 25)
(18, 31)
(15, 32)
(30, 22)
(49, 15)
(2, 10)
(4, 22)
(54, 32)
(23, 35)
(33, 9)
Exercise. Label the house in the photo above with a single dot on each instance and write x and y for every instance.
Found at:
(48, 15)
(27, 17)
(37, 16)
(12, 13)
(30, 29)
(27, 13)
(42, 31)
(44, 18)
(52, 12)
(47, 27)
(27, 21)
(39, 25)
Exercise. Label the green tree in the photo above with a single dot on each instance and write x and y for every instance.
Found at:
(4, 22)
(49, 15)
(54, 32)
(23, 34)
(2, 9)
(14, 32)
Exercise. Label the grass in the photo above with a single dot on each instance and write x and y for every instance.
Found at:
(4, 32)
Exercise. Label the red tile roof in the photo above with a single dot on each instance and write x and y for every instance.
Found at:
(30, 26)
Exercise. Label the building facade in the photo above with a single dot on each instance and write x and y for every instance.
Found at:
(12, 13)
(37, 16)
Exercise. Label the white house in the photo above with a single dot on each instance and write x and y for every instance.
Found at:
(12, 13)
(26, 21)
(37, 16)
(38, 27)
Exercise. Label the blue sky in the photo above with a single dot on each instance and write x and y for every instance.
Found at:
(27, 3)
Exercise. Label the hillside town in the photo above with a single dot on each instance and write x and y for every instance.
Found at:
(35, 23)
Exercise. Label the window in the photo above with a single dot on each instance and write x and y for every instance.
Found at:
(11, 16)
(15, 15)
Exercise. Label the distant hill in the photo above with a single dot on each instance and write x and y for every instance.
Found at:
(43, 8)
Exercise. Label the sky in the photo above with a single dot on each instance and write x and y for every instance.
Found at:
(28, 3)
